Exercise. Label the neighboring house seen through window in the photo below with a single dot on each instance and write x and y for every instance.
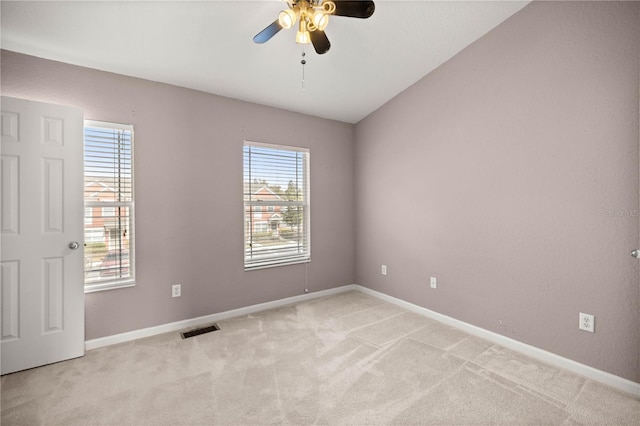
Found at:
(276, 204)
(109, 202)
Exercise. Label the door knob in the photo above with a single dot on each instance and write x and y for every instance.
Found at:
(73, 245)
(635, 253)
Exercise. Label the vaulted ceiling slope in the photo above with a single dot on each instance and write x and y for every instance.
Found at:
(207, 46)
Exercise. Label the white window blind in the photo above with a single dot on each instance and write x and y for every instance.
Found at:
(276, 205)
(109, 205)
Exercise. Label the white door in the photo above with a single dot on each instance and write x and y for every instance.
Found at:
(42, 295)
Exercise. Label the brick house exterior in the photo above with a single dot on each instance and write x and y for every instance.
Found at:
(264, 218)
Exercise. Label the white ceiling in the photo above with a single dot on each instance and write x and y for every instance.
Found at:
(207, 46)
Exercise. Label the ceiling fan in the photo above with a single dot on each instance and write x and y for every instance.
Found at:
(312, 17)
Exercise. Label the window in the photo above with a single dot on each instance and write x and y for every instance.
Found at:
(108, 212)
(108, 199)
(276, 177)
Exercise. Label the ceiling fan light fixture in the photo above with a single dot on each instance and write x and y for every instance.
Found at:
(313, 17)
(320, 19)
(303, 37)
(328, 7)
(287, 18)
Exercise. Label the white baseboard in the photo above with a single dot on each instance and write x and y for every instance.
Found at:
(600, 376)
(609, 379)
(195, 322)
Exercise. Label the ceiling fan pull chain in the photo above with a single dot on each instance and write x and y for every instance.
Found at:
(303, 62)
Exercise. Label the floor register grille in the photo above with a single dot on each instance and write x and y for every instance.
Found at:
(199, 331)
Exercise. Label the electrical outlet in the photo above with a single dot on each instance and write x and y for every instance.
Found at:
(383, 270)
(433, 283)
(176, 290)
(587, 322)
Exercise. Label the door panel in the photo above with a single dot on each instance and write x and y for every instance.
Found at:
(10, 300)
(42, 212)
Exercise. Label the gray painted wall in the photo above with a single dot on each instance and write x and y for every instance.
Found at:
(189, 208)
(511, 174)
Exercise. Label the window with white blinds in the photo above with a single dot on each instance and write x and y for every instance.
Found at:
(276, 205)
(108, 206)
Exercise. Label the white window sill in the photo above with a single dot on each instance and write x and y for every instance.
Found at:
(274, 265)
(93, 288)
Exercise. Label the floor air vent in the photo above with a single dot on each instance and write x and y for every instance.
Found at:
(199, 331)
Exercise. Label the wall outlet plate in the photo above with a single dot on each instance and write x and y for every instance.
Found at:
(587, 322)
(176, 290)
(433, 282)
(383, 270)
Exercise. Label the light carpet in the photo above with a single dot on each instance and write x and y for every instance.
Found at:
(343, 359)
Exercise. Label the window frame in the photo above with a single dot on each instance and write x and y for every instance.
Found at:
(129, 281)
(249, 212)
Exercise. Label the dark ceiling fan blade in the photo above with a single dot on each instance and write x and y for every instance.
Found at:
(320, 41)
(354, 8)
(266, 34)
